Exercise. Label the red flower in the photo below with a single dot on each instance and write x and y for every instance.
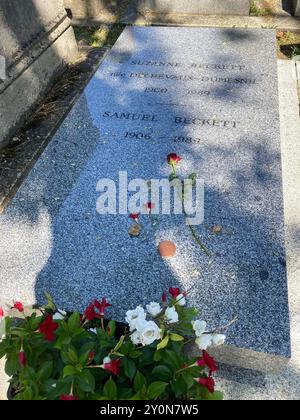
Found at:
(150, 206)
(208, 383)
(173, 159)
(96, 309)
(91, 357)
(19, 306)
(22, 358)
(174, 292)
(101, 306)
(114, 366)
(68, 398)
(48, 327)
(1, 313)
(208, 361)
(134, 216)
(164, 297)
(90, 312)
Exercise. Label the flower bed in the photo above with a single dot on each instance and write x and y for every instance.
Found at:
(52, 355)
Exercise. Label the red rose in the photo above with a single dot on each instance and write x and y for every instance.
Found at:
(22, 358)
(173, 159)
(114, 366)
(1, 313)
(19, 306)
(208, 361)
(208, 383)
(68, 398)
(164, 297)
(48, 327)
(134, 216)
(174, 292)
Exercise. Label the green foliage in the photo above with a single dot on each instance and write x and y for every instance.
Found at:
(73, 364)
(257, 9)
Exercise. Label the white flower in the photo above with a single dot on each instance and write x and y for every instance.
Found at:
(93, 330)
(106, 360)
(204, 341)
(154, 309)
(133, 316)
(135, 338)
(148, 332)
(199, 328)
(60, 315)
(180, 300)
(172, 315)
(218, 339)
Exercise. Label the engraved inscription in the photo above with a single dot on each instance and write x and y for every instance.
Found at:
(198, 92)
(184, 139)
(205, 122)
(209, 66)
(130, 116)
(137, 135)
(190, 78)
(156, 90)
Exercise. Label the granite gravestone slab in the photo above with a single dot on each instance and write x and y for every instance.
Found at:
(209, 95)
(203, 7)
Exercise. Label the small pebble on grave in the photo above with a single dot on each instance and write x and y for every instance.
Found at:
(167, 249)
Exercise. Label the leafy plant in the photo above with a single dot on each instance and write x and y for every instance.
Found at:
(51, 354)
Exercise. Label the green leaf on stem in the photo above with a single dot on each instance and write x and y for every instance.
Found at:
(163, 344)
(74, 322)
(86, 381)
(176, 337)
(156, 389)
(69, 370)
(162, 373)
(110, 389)
(129, 368)
(111, 328)
(139, 381)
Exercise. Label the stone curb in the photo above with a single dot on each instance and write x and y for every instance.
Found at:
(282, 23)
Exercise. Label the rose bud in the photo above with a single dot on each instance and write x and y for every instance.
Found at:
(19, 306)
(68, 398)
(22, 358)
(173, 159)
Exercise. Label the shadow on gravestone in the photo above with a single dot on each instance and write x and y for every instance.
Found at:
(91, 269)
(81, 267)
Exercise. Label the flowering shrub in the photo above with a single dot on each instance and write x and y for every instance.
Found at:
(52, 354)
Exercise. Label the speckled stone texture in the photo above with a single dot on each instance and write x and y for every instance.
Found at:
(53, 239)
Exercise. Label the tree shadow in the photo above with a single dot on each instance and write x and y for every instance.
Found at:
(90, 256)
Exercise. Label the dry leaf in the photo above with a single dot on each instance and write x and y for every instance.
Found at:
(217, 229)
(135, 230)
